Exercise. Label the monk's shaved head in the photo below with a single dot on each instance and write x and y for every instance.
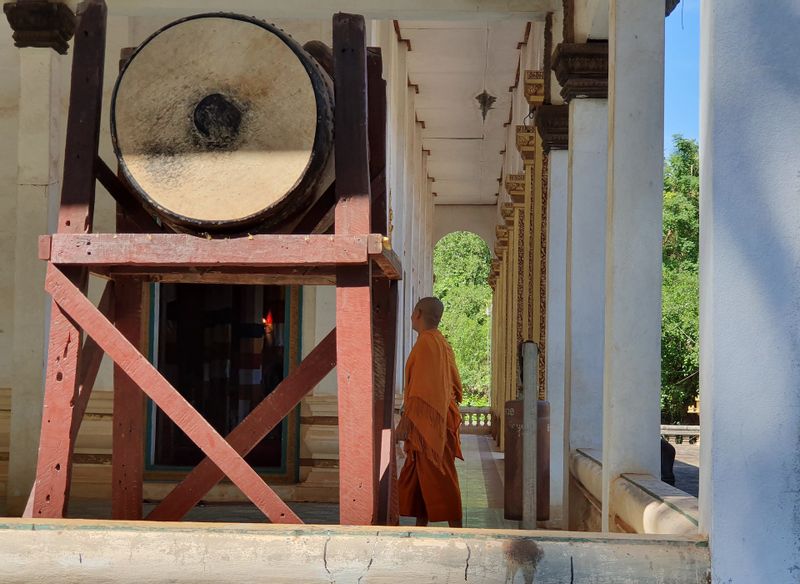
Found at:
(431, 310)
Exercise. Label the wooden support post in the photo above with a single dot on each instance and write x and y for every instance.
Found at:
(60, 417)
(127, 471)
(384, 298)
(357, 473)
(70, 299)
(258, 423)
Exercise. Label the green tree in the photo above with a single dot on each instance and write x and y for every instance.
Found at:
(680, 314)
(461, 264)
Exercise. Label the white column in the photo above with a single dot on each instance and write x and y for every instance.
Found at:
(556, 324)
(632, 385)
(586, 237)
(585, 298)
(38, 184)
(750, 290)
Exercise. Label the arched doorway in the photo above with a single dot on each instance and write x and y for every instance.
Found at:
(461, 265)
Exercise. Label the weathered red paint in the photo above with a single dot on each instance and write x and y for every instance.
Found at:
(59, 425)
(357, 448)
(70, 299)
(127, 471)
(179, 250)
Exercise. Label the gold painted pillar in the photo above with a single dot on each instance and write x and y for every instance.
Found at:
(529, 145)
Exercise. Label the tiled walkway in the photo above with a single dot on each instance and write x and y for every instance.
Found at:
(480, 475)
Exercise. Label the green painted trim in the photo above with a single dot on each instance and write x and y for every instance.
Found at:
(299, 360)
(151, 333)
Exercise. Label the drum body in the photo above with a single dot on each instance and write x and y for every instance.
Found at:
(223, 123)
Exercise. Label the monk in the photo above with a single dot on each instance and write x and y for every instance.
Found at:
(428, 484)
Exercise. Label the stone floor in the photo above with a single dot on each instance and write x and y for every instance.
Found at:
(480, 475)
(687, 468)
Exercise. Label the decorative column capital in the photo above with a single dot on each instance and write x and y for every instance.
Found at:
(582, 69)
(515, 187)
(534, 87)
(552, 122)
(526, 143)
(40, 23)
(507, 212)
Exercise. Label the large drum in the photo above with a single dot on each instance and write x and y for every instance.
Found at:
(223, 123)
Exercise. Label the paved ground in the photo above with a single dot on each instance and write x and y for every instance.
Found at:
(687, 467)
(480, 475)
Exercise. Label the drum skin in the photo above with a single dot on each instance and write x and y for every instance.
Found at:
(222, 123)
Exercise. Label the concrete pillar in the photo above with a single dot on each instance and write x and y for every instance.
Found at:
(632, 384)
(40, 147)
(585, 248)
(750, 286)
(556, 325)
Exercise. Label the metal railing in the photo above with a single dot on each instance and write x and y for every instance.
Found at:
(476, 420)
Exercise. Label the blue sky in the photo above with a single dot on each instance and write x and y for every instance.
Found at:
(682, 66)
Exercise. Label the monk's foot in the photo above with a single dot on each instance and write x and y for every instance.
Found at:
(422, 522)
(456, 523)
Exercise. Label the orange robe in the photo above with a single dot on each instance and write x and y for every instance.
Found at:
(428, 483)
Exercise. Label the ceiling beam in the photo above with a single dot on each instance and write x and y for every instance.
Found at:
(379, 9)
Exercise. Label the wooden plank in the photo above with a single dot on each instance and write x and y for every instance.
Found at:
(179, 250)
(246, 436)
(56, 442)
(264, 277)
(389, 264)
(173, 404)
(357, 443)
(127, 472)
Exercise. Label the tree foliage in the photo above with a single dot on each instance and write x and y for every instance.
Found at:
(461, 263)
(680, 314)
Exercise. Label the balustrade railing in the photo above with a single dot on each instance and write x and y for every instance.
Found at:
(476, 420)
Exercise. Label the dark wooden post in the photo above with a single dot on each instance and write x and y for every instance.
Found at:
(357, 473)
(60, 417)
(384, 294)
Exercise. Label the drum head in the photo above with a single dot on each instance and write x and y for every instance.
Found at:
(214, 120)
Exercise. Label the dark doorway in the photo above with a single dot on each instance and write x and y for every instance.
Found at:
(223, 348)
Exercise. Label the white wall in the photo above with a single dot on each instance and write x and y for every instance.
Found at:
(477, 219)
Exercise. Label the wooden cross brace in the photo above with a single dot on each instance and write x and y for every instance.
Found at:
(226, 457)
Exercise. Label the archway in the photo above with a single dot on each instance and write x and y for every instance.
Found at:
(461, 265)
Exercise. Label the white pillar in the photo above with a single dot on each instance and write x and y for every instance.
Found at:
(556, 325)
(632, 369)
(750, 290)
(585, 298)
(39, 152)
(586, 236)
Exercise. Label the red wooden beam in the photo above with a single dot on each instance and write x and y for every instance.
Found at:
(56, 442)
(179, 250)
(252, 430)
(172, 403)
(127, 470)
(88, 367)
(357, 472)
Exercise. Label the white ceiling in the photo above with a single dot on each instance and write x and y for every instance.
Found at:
(453, 63)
